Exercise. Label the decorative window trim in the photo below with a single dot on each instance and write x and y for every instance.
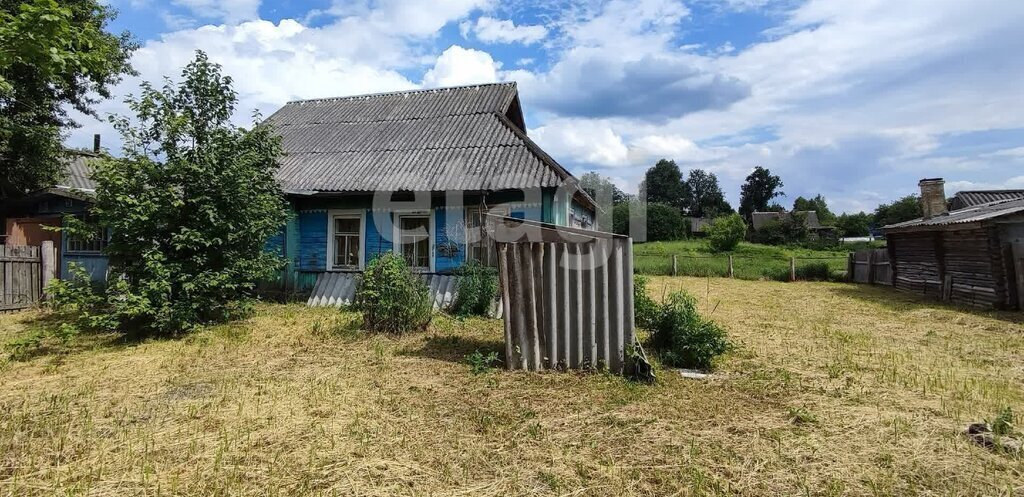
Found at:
(396, 227)
(347, 214)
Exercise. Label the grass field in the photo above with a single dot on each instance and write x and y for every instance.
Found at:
(751, 261)
(833, 390)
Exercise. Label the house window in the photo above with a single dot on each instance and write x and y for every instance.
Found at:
(94, 243)
(414, 240)
(479, 244)
(347, 242)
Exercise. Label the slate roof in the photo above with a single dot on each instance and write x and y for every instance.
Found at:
(967, 215)
(461, 138)
(965, 199)
(79, 172)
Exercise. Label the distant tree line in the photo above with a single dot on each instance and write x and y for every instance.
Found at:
(671, 198)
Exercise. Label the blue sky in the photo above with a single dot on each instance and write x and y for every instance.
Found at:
(853, 100)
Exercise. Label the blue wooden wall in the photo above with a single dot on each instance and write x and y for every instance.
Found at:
(312, 254)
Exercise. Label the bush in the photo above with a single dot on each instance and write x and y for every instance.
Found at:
(477, 290)
(684, 338)
(190, 206)
(664, 222)
(726, 232)
(391, 298)
(816, 271)
(645, 309)
(78, 305)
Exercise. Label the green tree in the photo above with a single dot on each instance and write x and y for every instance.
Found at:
(705, 197)
(726, 232)
(904, 209)
(53, 56)
(663, 184)
(759, 189)
(665, 222)
(603, 191)
(190, 206)
(817, 204)
(858, 224)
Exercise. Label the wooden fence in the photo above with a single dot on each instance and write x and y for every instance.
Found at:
(870, 266)
(24, 273)
(567, 295)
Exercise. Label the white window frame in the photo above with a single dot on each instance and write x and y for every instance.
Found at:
(346, 214)
(396, 244)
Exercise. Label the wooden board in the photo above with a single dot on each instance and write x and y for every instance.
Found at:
(1018, 258)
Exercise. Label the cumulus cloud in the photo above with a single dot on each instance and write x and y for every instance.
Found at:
(491, 30)
(461, 66)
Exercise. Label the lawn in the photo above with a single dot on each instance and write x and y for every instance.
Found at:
(751, 261)
(833, 390)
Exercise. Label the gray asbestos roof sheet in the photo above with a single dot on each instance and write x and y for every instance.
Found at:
(972, 214)
(428, 140)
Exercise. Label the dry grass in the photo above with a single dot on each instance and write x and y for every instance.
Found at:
(835, 390)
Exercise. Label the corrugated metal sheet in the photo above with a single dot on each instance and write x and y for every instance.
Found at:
(433, 140)
(973, 214)
(567, 296)
(966, 199)
(338, 289)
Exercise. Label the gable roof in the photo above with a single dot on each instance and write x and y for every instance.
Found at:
(462, 138)
(966, 199)
(79, 171)
(973, 214)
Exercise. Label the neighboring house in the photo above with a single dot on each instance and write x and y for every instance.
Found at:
(27, 219)
(965, 199)
(412, 172)
(760, 219)
(973, 255)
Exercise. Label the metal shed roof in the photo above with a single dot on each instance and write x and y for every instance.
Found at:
(967, 215)
(966, 199)
(425, 140)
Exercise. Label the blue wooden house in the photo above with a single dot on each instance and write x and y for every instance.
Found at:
(412, 172)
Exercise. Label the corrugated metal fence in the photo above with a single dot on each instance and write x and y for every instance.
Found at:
(567, 295)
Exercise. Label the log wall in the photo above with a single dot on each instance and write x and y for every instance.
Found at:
(966, 267)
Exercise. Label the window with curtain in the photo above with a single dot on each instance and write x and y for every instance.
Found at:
(414, 240)
(346, 242)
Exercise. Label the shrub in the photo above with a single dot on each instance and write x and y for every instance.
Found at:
(190, 206)
(477, 289)
(78, 305)
(664, 222)
(684, 338)
(726, 232)
(645, 309)
(817, 271)
(391, 298)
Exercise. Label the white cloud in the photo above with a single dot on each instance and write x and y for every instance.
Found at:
(491, 30)
(1014, 183)
(461, 66)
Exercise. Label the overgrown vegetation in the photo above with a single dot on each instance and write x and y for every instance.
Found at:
(683, 338)
(278, 404)
(725, 233)
(477, 290)
(391, 298)
(480, 363)
(750, 261)
(190, 206)
(645, 309)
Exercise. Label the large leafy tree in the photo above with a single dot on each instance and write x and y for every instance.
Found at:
(704, 195)
(190, 206)
(904, 209)
(858, 224)
(53, 56)
(758, 191)
(663, 184)
(817, 204)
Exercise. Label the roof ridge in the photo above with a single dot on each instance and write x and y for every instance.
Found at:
(402, 92)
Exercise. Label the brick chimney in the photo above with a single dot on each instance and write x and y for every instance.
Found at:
(933, 197)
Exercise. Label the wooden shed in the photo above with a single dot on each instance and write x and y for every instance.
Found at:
(972, 256)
